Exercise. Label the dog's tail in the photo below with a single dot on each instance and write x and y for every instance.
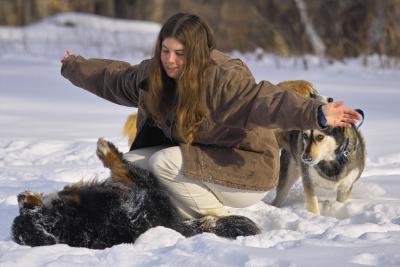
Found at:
(129, 129)
(230, 226)
(304, 88)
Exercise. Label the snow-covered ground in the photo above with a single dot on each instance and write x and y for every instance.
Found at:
(49, 129)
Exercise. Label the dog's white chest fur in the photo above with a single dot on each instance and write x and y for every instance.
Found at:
(344, 182)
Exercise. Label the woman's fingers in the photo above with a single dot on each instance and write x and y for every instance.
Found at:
(345, 125)
(67, 54)
(337, 114)
(352, 114)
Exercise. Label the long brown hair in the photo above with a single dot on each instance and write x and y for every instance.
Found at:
(186, 96)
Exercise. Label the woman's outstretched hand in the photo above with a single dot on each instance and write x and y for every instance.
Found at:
(337, 114)
(67, 54)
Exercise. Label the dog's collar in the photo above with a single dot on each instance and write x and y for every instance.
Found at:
(344, 152)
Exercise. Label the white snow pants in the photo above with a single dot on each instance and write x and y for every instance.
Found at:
(193, 198)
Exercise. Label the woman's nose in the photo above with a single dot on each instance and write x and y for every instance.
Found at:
(171, 57)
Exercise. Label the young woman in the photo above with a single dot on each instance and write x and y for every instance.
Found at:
(205, 127)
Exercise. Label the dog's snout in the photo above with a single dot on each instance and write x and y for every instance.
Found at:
(307, 157)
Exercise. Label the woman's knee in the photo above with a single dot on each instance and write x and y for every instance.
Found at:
(140, 157)
(166, 163)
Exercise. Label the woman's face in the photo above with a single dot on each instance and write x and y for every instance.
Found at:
(173, 57)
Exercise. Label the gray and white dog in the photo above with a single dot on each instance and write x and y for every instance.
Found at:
(333, 158)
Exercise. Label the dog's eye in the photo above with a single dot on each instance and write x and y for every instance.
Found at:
(319, 137)
(305, 136)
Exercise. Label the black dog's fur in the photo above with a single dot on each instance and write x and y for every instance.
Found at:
(102, 214)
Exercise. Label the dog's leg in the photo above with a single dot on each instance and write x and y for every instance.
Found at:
(343, 194)
(70, 192)
(112, 159)
(310, 197)
(288, 175)
(233, 226)
(346, 186)
(230, 226)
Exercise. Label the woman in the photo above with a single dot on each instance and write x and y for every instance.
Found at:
(205, 127)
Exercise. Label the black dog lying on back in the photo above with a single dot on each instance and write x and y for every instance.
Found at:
(118, 210)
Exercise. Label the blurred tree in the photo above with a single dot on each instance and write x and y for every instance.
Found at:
(333, 28)
(315, 41)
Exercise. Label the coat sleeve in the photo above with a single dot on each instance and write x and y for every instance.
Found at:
(243, 103)
(116, 81)
(274, 107)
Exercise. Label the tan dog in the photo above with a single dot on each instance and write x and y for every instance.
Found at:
(333, 158)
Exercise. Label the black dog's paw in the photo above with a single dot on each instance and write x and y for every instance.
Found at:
(234, 226)
(108, 153)
(228, 226)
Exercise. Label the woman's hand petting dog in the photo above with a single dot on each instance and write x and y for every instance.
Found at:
(337, 114)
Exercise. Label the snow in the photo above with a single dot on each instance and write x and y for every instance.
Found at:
(48, 137)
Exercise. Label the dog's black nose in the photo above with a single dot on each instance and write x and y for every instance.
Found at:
(307, 158)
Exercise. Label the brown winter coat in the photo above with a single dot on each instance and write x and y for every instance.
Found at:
(235, 145)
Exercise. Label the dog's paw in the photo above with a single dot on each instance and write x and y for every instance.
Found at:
(103, 148)
(233, 226)
(108, 153)
(30, 200)
(208, 223)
